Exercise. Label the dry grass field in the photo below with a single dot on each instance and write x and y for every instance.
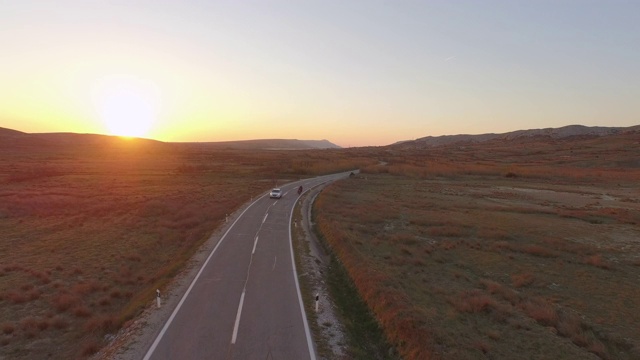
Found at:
(496, 250)
(89, 232)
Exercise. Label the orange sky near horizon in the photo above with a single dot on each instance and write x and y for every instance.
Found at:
(355, 73)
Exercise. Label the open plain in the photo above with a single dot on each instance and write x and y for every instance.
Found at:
(500, 249)
(497, 250)
(90, 230)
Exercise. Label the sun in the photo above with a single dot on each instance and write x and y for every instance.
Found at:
(126, 105)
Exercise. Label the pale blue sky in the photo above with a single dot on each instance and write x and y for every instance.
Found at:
(354, 72)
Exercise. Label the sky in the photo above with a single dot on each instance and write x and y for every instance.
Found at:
(357, 73)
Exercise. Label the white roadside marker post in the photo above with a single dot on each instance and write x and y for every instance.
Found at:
(226, 218)
(158, 302)
(317, 299)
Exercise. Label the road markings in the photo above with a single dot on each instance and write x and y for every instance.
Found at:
(238, 315)
(186, 294)
(312, 353)
(255, 243)
(237, 324)
(234, 336)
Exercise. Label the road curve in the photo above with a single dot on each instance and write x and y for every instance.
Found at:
(245, 301)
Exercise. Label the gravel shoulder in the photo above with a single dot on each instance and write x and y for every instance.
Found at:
(328, 332)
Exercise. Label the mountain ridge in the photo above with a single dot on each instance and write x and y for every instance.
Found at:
(10, 137)
(269, 144)
(564, 132)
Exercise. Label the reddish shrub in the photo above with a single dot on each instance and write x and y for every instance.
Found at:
(84, 288)
(598, 261)
(521, 280)
(541, 311)
(33, 294)
(599, 349)
(7, 327)
(504, 292)
(15, 297)
(494, 334)
(101, 322)
(29, 326)
(538, 250)
(64, 302)
(406, 250)
(43, 277)
(445, 231)
(11, 267)
(492, 286)
(81, 311)
(89, 347)
(104, 301)
(474, 301)
(43, 324)
(482, 346)
(502, 313)
(492, 234)
(59, 322)
(503, 245)
(569, 325)
(134, 258)
(116, 294)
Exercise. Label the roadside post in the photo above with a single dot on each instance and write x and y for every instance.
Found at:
(158, 301)
(317, 300)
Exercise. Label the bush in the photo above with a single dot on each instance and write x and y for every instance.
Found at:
(64, 302)
(7, 328)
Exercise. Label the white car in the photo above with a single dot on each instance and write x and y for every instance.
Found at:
(275, 193)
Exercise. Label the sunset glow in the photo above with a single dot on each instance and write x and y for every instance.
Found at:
(356, 73)
(126, 106)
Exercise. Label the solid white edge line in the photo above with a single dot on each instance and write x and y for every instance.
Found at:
(238, 314)
(184, 297)
(295, 277)
(312, 353)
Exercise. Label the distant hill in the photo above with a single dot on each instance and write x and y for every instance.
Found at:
(565, 132)
(14, 138)
(271, 144)
(4, 132)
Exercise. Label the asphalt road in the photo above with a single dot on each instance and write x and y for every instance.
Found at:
(245, 302)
